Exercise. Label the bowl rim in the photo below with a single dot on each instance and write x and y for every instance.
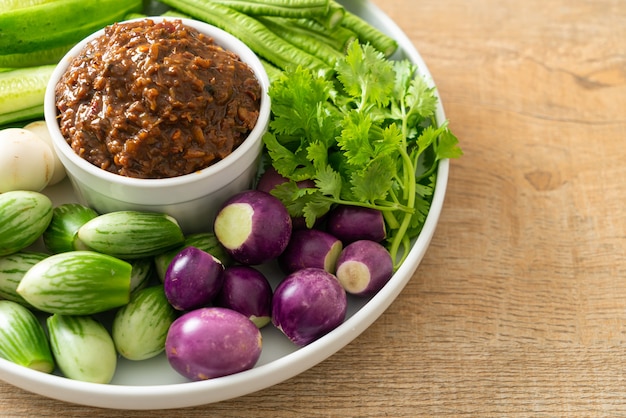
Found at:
(220, 37)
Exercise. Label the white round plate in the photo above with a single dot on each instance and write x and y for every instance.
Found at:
(153, 384)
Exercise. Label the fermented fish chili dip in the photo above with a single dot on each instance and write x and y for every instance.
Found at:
(156, 100)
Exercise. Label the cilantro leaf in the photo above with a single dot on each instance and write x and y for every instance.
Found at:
(354, 138)
(375, 181)
(421, 100)
(291, 165)
(295, 100)
(389, 142)
(428, 137)
(329, 182)
(294, 197)
(317, 153)
(366, 75)
(314, 208)
(448, 146)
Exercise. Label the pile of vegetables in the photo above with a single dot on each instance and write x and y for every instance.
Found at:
(349, 169)
(132, 284)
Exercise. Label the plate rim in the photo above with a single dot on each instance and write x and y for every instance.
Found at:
(189, 394)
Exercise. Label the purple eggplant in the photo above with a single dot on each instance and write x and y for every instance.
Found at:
(253, 226)
(308, 304)
(193, 279)
(247, 291)
(270, 179)
(212, 342)
(310, 248)
(364, 267)
(353, 223)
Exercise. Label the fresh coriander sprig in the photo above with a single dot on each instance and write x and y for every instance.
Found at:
(367, 138)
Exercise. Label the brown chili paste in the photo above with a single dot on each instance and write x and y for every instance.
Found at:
(155, 100)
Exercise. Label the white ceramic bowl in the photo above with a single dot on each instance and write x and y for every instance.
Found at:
(193, 198)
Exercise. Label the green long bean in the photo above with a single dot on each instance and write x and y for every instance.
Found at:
(252, 32)
(283, 8)
(303, 40)
(337, 37)
(369, 34)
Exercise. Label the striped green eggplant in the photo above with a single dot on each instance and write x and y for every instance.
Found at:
(82, 347)
(24, 216)
(77, 283)
(131, 234)
(61, 234)
(141, 274)
(140, 327)
(22, 338)
(13, 267)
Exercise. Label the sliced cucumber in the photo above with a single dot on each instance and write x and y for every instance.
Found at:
(35, 58)
(22, 93)
(55, 23)
(6, 5)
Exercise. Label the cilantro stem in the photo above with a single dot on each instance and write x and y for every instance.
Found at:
(406, 221)
(408, 189)
(391, 220)
(393, 197)
(383, 206)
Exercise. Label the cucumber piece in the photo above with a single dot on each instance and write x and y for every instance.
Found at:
(77, 283)
(82, 347)
(24, 216)
(22, 92)
(6, 5)
(205, 241)
(61, 235)
(22, 338)
(35, 58)
(140, 328)
(130, 234)
(57, 23)
(13, 267)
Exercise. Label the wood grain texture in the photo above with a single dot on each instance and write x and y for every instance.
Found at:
(519, 306)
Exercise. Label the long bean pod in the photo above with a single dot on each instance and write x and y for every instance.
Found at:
(338, 37)
(273, 72)
(304, 40)
(370, 34)
(333, 17)
(284, 8)
(252, 32)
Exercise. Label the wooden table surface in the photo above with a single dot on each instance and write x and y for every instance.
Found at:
(519, 306)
